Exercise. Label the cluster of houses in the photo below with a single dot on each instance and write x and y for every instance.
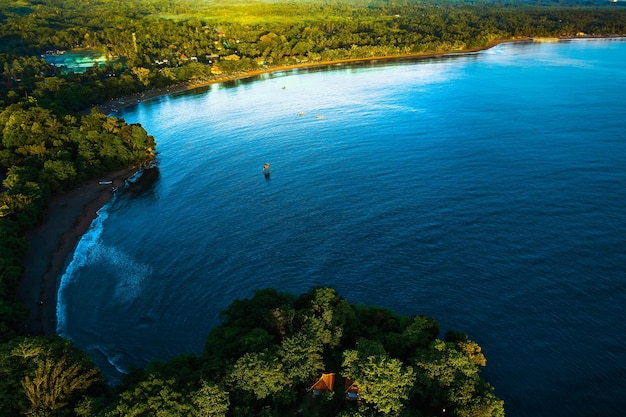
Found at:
(209, 58)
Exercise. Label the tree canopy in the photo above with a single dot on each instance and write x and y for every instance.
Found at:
(274, 377)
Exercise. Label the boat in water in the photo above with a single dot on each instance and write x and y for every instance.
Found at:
(266, 170)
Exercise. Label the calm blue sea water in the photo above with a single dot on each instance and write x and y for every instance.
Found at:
(488, 191)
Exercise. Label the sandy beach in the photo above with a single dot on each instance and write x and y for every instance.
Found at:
(68, 217)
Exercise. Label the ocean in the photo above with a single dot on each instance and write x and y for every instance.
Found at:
(486, 190)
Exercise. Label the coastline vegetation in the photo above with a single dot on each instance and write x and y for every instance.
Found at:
(154, 44)
(50, 142)
(273, 355)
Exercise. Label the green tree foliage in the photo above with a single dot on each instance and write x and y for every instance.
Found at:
(320, 320)
(300, 338)
(248, 326)
(41, 147)
(210, 401)
(154, 397)
(384, 382)
(44, 377)
(12, 246)
(259, 373)
(301, 355)
(53, 385)
(449, 377)
(185, 369)
(473, 351)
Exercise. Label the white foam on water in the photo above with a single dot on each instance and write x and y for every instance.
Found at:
(86, 245)
(132, 276)
(113, 359)
(134, 177)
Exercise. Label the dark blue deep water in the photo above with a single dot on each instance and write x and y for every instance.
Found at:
(487, 190)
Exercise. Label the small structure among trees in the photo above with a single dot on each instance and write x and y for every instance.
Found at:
(352, 390)
(325, 383)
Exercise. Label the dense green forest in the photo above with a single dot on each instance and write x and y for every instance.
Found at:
(263, 357)
(156, 43)
(267, 358)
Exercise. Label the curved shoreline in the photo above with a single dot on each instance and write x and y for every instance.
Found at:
(67, 219)
(70, 215)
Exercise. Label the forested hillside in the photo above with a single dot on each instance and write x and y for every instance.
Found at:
(270, 349)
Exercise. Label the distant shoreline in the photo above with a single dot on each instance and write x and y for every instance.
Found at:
(115, 105)
(112, 106)
(70, 215)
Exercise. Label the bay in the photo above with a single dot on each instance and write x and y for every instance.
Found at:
(485, 190)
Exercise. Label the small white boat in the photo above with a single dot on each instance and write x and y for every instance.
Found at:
(105, 182)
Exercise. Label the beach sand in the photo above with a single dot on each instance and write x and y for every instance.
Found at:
(67, 218)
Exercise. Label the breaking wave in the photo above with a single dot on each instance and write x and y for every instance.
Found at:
(87, 244)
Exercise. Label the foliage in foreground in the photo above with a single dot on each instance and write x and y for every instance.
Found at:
(271, 349)
(262, 360)
(45, 377)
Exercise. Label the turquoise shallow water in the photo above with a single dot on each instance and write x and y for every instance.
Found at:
(487, 191)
